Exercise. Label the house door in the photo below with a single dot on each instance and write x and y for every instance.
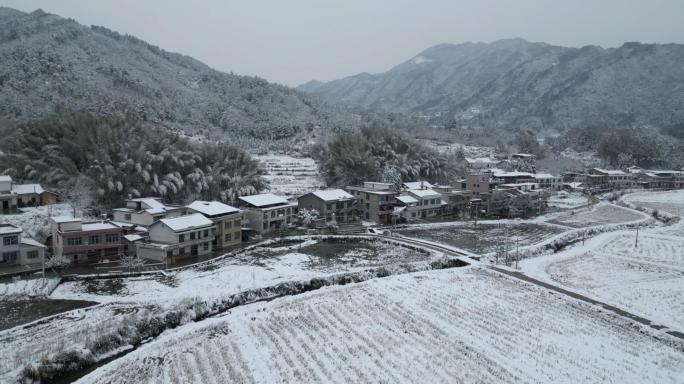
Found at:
(193, 250)
(5, 205)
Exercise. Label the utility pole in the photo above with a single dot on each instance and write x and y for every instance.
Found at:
(517, 251)
(636, 240)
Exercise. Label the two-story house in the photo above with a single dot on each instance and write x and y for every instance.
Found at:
(331, 204)
(548, 181)
(8, 200)
(429, 204)
(267, 212)
(144, 211)
(228, 221)
(178, 237)
(15, 249)
(86, 241)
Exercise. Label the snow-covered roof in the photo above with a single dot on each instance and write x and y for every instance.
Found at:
(31, 243)
(485, 160)
(610, 171)
(97, 226)
(65, 219)
(522, 155)
(263, 200)
(6, 229)
(24, 189)
(512, 174)
(185, 223)
(133, 238)
(332, 195)
(424, 193)
(406, 199)
(5, 178)
(212, 208)
(417, 185)
(151, 202)
(544, 176)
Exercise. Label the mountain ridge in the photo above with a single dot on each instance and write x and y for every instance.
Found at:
(531, 85)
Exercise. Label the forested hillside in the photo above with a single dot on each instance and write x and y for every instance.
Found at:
(50, 61)
(105, 159)
(478, 90)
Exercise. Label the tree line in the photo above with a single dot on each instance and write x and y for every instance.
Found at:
(104, 159)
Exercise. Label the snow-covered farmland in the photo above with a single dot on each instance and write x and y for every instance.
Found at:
(466, 325)
(258, 267)
(671, 202)
(601, 214)
(482, 238)
(565, 200)
(647, 280)
(289, 175)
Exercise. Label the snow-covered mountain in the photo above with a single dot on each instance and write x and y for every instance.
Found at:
(519, 84)
(48, 61)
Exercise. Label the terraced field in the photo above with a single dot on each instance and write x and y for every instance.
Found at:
(289, 175)
(483, 238)
(470, 325)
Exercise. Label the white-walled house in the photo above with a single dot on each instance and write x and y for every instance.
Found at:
(18, 250)
(145, 211)
(8, 199)
(548, 181)
(267, 212)
(190, 235)
(429, 204)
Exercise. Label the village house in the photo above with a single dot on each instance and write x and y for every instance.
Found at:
(8, 200)
(228, 221)
(513, 177)
(178, 237)
(267, 212)
(145, 211)
(376, 201)
(15, 249)
(416, 185)
(548, 181)
(457, 200)
(89, 241)
(666, 179)
(599, 178)
(479, 184)
(480, 163)
(522, 187)
(429, 204)
(335, 205)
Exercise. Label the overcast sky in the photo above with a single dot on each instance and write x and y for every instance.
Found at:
(293, 41)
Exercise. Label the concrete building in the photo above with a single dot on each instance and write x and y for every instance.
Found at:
(267, 212)
(15, 249)
(599, 178)
(548, 181)
(457, 199)
(335, 205)
(90, 241)
(430, 203)
(8, 200)
(178, 237)
(227, 219)
(375, 201)
(145, 211)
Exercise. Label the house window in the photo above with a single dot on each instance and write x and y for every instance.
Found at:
(206, 233)
(349, 204)
(32, 254)
(10, 240)
(112, 237)
(127, 217)
(74, 241)
(181, 238)
(226, 237)
(169, 253)
(192, 235)
(9, 256)
(94, 239)
(328, 206)
(273, 213)
(227, 224)
(236, 236)
(236, 222)
(181, 250)
(265, 225)
(206, 246)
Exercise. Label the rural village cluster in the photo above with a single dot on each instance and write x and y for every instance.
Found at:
(151, 231)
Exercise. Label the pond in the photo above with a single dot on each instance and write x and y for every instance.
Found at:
(18, 312)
